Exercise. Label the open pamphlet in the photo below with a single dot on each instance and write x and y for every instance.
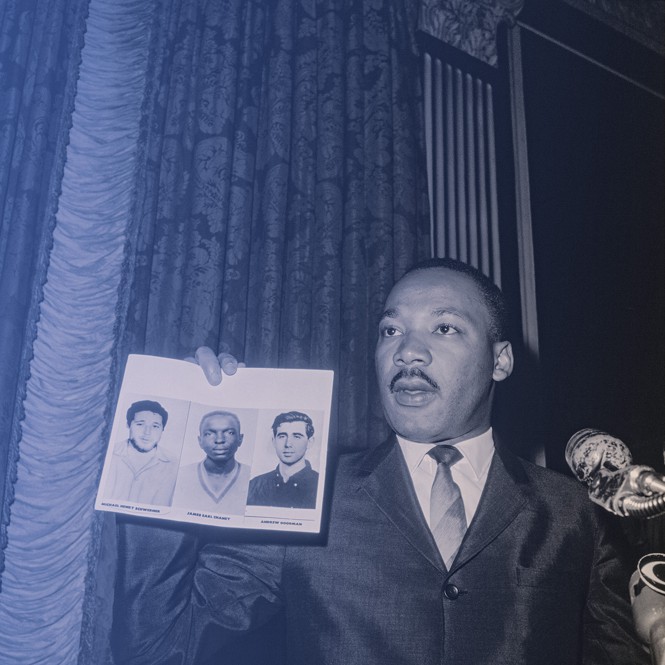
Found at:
(248, 453)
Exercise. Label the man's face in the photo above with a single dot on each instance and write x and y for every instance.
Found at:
(145, 430)
(291, 442)
(220, 437)
(435, 362)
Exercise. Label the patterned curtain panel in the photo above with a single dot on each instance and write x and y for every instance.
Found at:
(262, 164)
(40, 50)
(284, 187)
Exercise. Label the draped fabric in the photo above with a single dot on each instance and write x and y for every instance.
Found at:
(40, 48)
(55, 601)
(240, 172)
(284, 187)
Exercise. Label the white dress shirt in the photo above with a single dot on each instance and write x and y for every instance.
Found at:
(470, 473)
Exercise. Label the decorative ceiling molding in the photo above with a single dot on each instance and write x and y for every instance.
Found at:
(469, 26)
(641, 20)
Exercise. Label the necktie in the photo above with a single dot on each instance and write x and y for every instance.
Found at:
(447, 518)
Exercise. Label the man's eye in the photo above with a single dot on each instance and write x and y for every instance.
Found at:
(446, 329)
(389, 331)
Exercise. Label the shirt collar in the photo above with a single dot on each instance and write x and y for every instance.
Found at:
(477, 451)
(295, 469)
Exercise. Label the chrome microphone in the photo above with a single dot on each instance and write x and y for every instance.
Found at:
(604, 464)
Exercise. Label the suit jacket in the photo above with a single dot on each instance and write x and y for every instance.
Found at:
(537, 580)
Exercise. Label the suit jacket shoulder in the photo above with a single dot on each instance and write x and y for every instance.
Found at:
(538, 573)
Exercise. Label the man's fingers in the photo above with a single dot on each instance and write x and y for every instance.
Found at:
(210, 365)
(215, 366)
(228, 363)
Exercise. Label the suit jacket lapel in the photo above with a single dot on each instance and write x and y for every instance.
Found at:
(385, 478)
(503, 498)
(387, 482)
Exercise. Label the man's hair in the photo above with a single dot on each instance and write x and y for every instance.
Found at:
(492, 296)
(147, 405)
(294, 417)
(227, 414)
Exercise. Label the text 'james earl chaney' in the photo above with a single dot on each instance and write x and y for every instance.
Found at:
(210, 517)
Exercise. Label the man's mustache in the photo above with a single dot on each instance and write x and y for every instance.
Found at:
(410, 373)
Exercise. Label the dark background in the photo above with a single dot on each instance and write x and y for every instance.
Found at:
(595, 133)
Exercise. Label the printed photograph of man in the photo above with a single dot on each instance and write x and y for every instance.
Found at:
(293, 483)
(219, 482)
(141, 471)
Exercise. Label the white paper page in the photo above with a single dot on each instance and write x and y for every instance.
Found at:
(215, 461)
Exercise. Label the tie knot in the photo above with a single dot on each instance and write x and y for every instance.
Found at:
(447, 455)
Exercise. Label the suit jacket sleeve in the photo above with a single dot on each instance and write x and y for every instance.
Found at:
(609, 636)
(180, 599)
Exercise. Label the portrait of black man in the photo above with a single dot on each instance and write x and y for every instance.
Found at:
(442, 546)
(218, 482)
(245, 182)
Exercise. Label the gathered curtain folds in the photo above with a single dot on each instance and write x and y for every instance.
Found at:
(40, 48)
(240, 173)
(286, 188)
(55, 591)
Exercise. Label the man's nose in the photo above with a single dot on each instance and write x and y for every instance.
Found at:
(412, 350)
(219, 437)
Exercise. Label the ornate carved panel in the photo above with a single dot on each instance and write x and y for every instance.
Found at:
(469, 26)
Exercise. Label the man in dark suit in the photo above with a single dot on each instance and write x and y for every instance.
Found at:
(441, 548)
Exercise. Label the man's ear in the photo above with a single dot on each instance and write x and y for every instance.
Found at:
(503, 360)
